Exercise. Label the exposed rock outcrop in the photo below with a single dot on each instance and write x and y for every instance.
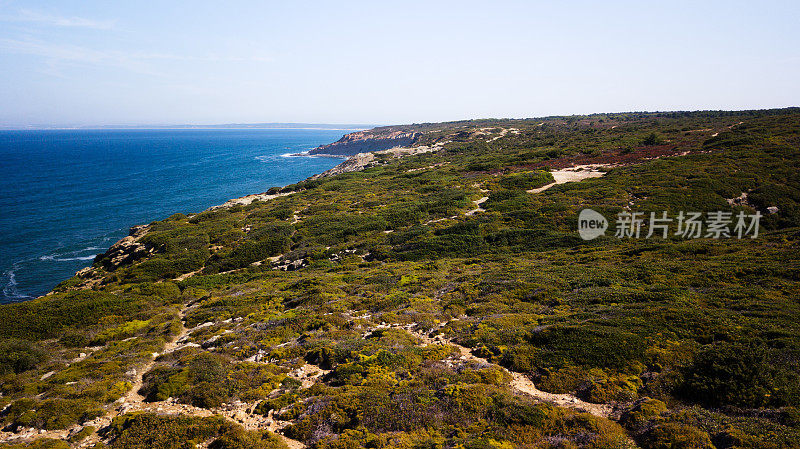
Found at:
(361, 161)
(376, 139)
(357, 162)
(127, 250)
(248, 199)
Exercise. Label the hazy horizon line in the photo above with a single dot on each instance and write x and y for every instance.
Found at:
(355, 126)
(264, 125)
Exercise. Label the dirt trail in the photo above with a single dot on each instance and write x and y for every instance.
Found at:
(520, 383)
(503, 133)
(31, 433)
(572, 174)
(133, 396)
(238, 412)
(243, 413)
(131, 399)
(478, 207)
(468, 213)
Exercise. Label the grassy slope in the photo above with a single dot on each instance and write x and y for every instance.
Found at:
(695, 341)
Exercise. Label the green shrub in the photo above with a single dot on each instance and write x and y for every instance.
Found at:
(644, 411)
(73, 339)
(238, 438)
(81, 435)
(19, 355)
(40, 443)
(248, 252)
(677, 436)
(581, 345)
(142, 431)
(50, 414)
(739, 374)
(526, 180)
(652, 139)
(47, 317)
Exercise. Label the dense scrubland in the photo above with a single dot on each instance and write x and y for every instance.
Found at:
(694, 342)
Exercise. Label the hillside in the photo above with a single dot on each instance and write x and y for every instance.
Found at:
(439, 295)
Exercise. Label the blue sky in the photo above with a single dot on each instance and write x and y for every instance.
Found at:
(99, 62)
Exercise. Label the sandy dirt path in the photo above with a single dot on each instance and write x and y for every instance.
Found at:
(478, 207)
(571, 174)
(519, 382)
(523, 385)
(239, 413)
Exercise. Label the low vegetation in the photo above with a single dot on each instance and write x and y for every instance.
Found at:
(695, 343)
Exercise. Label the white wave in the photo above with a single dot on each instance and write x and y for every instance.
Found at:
(55, 258)
(299, 154)
(273, 158)
(69, 256)
(12, 279)
(69, 259)
(10, 291)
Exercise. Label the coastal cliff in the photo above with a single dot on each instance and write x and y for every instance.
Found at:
(375, 139)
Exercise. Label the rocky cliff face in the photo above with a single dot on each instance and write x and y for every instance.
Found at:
(125, 251)
(367, 141)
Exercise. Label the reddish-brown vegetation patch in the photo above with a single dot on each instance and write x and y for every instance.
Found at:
(614, 157)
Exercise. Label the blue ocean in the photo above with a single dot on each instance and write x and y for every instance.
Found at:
(67, 195)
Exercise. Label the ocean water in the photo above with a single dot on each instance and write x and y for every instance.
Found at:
(67, 195)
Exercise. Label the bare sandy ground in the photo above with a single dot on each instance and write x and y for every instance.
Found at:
(572, 174)
(245, 200)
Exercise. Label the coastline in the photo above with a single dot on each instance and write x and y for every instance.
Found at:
(136, 232)
(57, 248)
(357, 162)
(357, 139)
